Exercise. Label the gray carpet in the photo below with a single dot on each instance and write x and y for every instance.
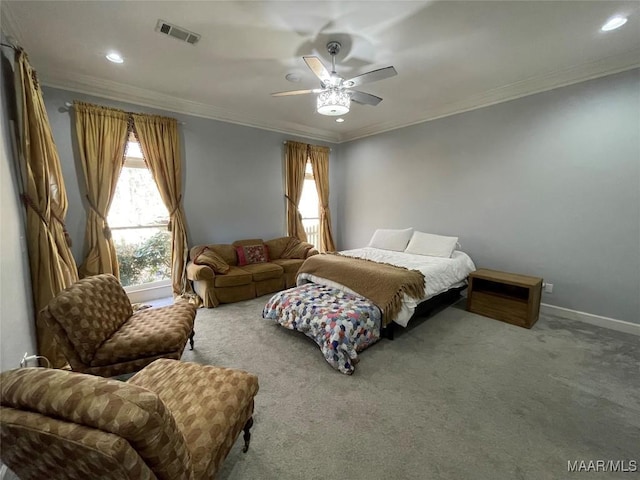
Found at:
(456, 396)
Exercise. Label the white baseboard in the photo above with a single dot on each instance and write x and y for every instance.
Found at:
(599, 321)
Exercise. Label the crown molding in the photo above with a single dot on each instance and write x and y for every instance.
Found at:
(125, 93)
(530, 86)
(140, 96)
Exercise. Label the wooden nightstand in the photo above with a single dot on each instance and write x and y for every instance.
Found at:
(508, 297)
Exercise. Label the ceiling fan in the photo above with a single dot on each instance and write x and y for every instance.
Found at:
(335, 93)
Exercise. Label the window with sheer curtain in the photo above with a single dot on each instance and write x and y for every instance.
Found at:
(309, 207)
(307, 171)
(138, 220)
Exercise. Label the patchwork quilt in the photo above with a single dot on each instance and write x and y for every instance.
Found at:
(341, 323)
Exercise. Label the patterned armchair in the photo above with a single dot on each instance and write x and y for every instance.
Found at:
(171, 421)
(98, 333)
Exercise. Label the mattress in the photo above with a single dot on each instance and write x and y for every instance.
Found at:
(440, 274)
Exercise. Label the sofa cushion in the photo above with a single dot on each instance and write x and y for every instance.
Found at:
(264, 271)
(212, 259)
(90, 311)
(248, 241)
(289, 265)
(277, 246)
(148, 333)
(296, 249)
(250, 254)
(226, 252)
(234, 277)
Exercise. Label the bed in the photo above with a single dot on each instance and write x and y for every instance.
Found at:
(440, 274)
(331, 307)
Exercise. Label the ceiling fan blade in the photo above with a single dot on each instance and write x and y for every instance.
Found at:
(295, 92)
(372, 76)
(364, 98)
(318, 68)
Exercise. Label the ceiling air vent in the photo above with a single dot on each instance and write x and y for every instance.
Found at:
(177, 32)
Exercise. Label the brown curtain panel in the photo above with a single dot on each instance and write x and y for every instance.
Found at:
(43, 192)
(158, 138)
(295, 162)
(102, 139)
(319, 157)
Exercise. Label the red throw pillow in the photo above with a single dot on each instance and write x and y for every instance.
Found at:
(249, 254)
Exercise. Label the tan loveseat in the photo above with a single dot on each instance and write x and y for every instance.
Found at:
(222, 280)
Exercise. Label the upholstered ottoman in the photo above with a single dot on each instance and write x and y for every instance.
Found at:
(211, 406)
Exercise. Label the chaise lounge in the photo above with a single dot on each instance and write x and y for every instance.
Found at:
(98, 333)
(171, 421)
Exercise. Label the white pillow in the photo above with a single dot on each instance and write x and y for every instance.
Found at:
(391, 239)
(431, 245)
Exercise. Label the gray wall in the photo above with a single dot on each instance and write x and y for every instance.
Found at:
(233, 189)
(234, 183)
(546, 185)
(17, 327)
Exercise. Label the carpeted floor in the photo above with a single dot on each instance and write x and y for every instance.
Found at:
(455, 396)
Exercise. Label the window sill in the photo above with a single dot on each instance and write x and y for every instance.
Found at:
(149, 291)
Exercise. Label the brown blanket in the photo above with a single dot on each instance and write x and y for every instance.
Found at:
(383, 284)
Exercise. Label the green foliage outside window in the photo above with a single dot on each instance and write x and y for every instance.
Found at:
(146, 261)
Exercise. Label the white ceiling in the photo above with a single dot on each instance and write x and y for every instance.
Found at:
(451, 56)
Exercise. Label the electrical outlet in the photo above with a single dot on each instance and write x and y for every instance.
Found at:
(548, 287)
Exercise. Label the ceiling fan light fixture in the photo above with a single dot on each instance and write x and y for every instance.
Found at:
(114, 57)
(335, 93)
(333, 102)
(613, 23)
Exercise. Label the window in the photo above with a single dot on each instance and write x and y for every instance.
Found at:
(309, 207)
(138, 219)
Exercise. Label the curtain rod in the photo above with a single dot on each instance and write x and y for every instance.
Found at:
(330, 149)
(70, 105)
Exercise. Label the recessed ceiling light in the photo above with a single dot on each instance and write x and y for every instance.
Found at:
(613, 23)
(115, 57)
(339, 120)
